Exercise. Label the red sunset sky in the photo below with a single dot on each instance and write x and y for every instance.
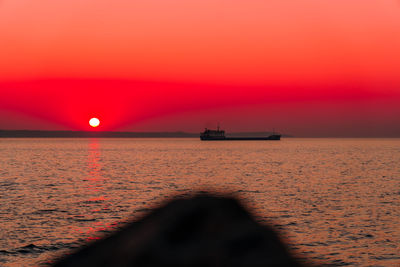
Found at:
(305, 67)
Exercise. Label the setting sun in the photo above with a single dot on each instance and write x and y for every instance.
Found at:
(94, 122)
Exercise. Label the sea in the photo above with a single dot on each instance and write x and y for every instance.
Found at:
(334, 201)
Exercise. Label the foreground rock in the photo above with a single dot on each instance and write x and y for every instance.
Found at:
(204, 230)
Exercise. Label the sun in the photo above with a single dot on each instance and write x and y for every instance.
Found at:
(94, 122)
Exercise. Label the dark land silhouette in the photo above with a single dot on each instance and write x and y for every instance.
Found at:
(80, 134)
(203, 230)
(108, 134)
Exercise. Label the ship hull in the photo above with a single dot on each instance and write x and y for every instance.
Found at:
(268, 138)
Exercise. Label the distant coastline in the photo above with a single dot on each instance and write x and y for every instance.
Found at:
(106, 134)
(85, 134)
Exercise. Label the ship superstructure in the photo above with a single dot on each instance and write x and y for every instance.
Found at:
(213, 134)
(216, 135)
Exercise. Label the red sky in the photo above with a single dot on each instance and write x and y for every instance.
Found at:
(306, 68)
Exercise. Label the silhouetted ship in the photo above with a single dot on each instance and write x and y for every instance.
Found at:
(219, 135)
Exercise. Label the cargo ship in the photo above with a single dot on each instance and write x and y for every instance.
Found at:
(219, 135)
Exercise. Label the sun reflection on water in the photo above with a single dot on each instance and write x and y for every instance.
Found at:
(97, 200)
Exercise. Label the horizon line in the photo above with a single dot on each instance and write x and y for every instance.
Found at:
(21, 133)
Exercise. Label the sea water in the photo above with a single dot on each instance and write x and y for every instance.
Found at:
(334, 201)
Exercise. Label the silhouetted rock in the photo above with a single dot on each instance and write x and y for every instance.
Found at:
(204, 230)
